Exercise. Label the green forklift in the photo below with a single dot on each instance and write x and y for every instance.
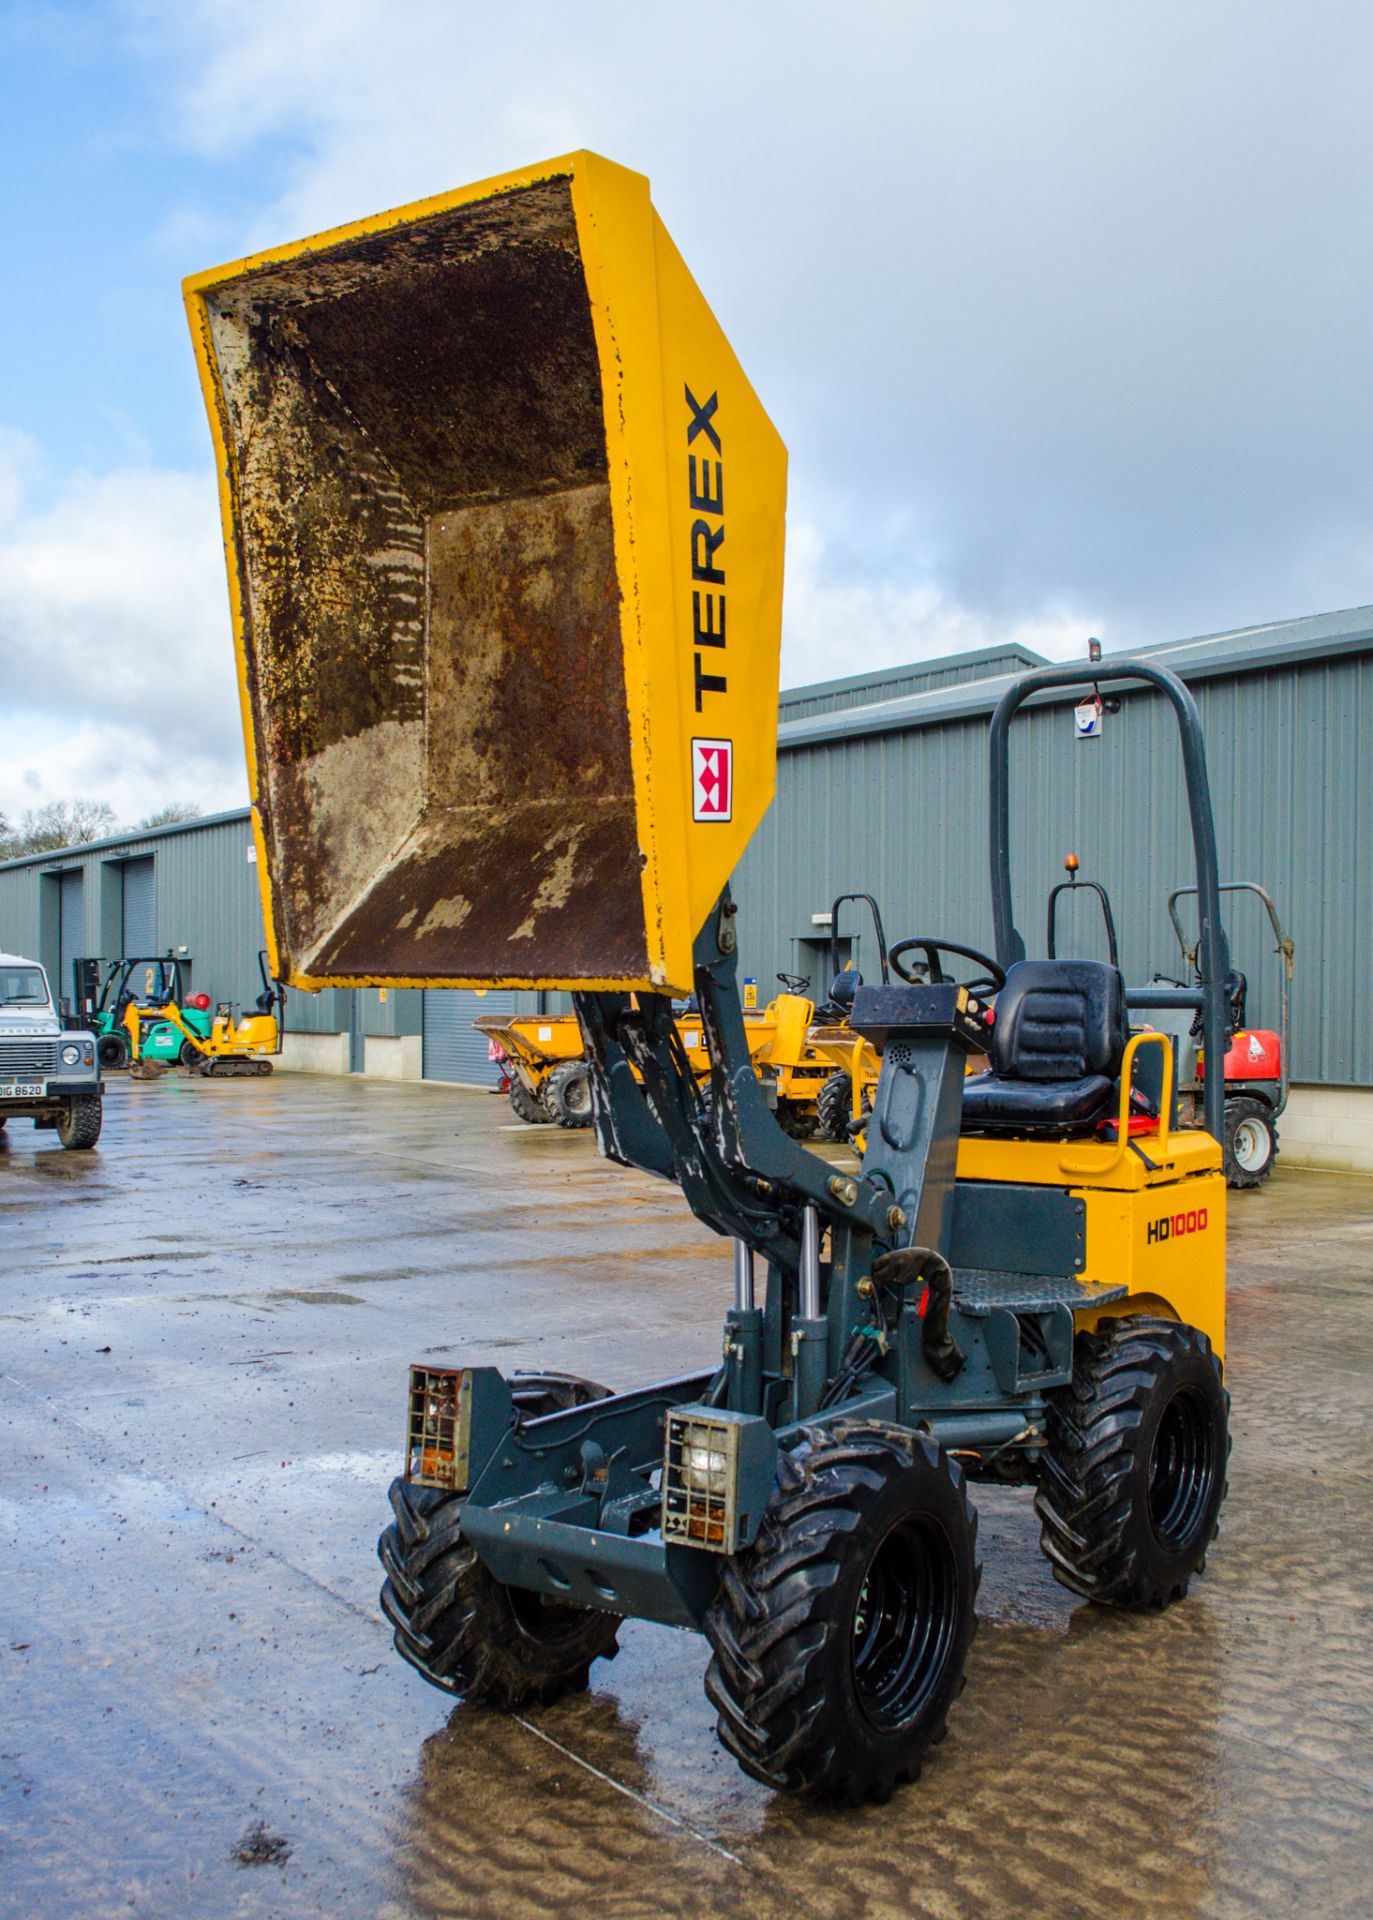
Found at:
(147, 982)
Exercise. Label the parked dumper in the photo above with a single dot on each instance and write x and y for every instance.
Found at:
(550, 1080)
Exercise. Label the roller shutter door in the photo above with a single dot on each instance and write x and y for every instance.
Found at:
(140, 908)
(453, 1050)
(71, 929)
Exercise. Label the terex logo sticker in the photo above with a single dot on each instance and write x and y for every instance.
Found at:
(712, 779)
(1172, 1226)
(706, 496)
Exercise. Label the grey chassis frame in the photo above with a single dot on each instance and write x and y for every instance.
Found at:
(568, 1505)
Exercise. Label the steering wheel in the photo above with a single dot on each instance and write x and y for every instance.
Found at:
(931, 973)
(794, 982)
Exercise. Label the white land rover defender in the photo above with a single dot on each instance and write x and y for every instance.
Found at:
(46, 1074)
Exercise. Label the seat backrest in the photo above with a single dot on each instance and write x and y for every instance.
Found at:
(1059, 1020)
(845, 985)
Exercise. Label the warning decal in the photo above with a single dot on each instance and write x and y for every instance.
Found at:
(712, 779)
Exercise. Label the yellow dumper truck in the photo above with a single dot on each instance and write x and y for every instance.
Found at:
(504, 521)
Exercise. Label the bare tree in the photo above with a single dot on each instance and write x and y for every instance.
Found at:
(174, 814)
(56, 824)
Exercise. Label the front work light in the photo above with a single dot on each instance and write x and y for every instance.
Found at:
(718, 1470)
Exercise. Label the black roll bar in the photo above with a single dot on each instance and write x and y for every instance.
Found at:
(1285, 951)
(1213, 954)
(1081, 886)
(877, 923)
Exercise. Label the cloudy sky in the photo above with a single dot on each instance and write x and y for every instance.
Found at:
(1062, 308)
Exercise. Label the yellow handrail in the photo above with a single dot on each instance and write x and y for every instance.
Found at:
(1127, 1068)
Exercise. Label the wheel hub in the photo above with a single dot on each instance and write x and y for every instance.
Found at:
(1251, 1145)
(905, 1622)
(1181, 1466)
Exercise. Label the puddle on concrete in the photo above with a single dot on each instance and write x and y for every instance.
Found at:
(131, 1259)
(312, 1297)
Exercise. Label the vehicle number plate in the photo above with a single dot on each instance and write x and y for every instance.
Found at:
(23, 1089)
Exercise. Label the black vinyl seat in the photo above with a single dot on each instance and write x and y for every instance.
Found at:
(843, 987)
(839, 1006)
(1057, 1046)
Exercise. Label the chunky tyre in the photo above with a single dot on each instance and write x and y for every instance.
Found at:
(528, 1106)
(455, 1624)
(834, 1106)
(79, 1123)
(1134, 1474)
(464, 1631)
(112, 1051)
(839, 1638)
(188, 1053)
(797, 1117)
(1251, 1142)
(567, 1094)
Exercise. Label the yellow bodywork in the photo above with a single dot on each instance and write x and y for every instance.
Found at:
(1159, 1231)
(1154, 1198)
(797, 1067)
(504, 528)
(778, 1040)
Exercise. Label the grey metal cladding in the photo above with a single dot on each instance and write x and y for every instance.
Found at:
(892, 799)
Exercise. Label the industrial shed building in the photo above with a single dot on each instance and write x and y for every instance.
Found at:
(882, 787)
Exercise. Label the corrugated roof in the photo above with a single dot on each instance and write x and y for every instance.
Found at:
(132, 838)
(1282, 643)
(885, 683)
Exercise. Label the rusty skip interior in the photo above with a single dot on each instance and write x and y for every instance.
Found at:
(431, 605)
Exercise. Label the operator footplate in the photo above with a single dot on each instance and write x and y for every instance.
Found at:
(979, 1291)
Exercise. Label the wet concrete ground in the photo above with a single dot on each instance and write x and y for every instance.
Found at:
(204, 1331)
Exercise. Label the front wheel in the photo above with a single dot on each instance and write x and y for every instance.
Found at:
(528, 1106)
(79, 1124)
(567, 1094)
(1135, 1470)
(1251, 1142)
(465, 1632)
(839, 1638)
(459, 1627)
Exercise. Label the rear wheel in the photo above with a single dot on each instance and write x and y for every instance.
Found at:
(1251, 1142)
(835, 1106)
(797, 1118)
(567, 1094)
(839, 1638)
(189, 1053)
(528, 1106)
(1135, 1470)
(112, 1051)
(80, 1121)
(460, 1628)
